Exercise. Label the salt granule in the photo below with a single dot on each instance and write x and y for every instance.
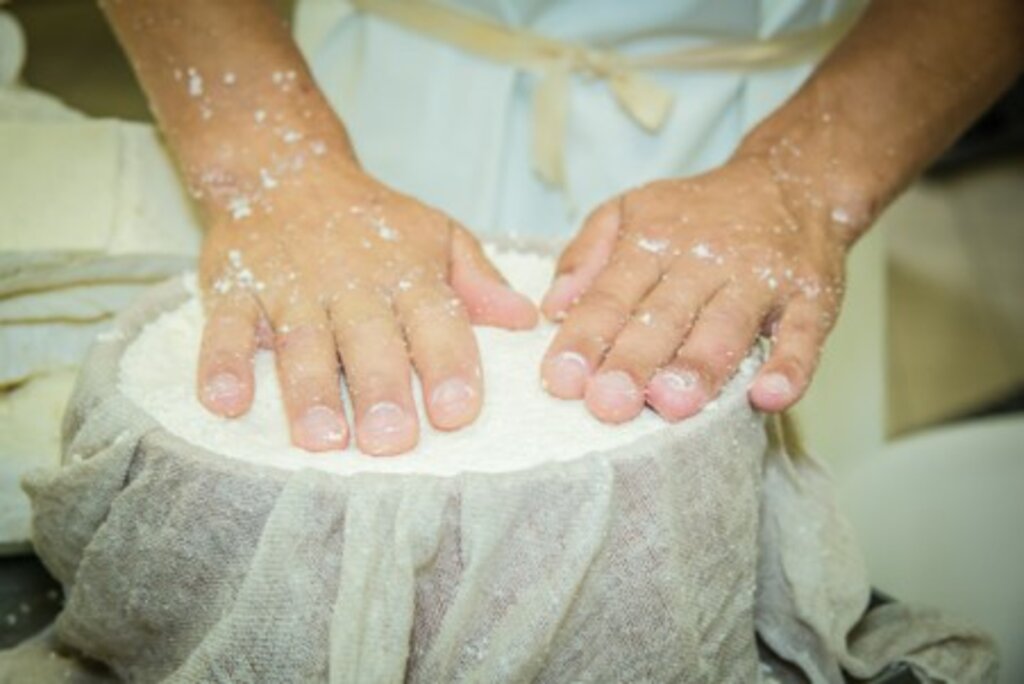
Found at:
(702, 251)
(652, 245)
(841, 216)
(239, 207)
(267, 180)
(195, 83)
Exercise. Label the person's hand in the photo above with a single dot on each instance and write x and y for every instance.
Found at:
(334, 264)
(666, 288)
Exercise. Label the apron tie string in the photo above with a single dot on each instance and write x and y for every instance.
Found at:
(554, 61)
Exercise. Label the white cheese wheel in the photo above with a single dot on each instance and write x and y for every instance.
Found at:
(521, 426)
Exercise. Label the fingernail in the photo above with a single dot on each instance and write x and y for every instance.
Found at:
(320, 429)
(223, 390)
(676, 381)
(566, 375)
(452, 403)
(777, 385)
(384, 429)
(676, 394)
(614, 397)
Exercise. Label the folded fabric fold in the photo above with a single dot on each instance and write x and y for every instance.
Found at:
(658, 560)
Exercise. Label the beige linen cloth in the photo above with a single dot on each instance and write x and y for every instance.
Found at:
(659, 561)
(91, 213)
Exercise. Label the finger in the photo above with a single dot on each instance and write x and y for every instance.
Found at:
(594, 322)
(225, 378)
(307, 367)
(377, 372)
(444, 352)
(488, 298)
(800, 334)
(647, 342)
(721, 338)
(583, 259)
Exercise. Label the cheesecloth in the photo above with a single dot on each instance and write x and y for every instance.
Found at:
(660, 561)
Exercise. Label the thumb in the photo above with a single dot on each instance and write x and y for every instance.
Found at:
(483, 290)
(584, 258)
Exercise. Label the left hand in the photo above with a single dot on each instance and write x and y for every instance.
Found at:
(667, 287)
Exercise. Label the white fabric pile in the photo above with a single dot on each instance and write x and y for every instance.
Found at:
(90, 214)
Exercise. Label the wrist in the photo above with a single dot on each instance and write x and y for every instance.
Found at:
(236, 182)
(826, 181)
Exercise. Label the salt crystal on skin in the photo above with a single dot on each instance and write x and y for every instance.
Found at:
(239, 207)
(702, 251)
(842, 217)
(266, 180)
(385, 232)
(652, 245)
(259, 116)
(195, 83)
(496, 442)
(222, 285)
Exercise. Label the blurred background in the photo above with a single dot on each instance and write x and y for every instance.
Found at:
(937, 507)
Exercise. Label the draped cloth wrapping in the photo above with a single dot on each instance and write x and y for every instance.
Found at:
(554, 61)
(655, 562)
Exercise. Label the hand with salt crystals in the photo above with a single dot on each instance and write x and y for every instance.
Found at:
(306, 253)
(359, 271)
(666, 288)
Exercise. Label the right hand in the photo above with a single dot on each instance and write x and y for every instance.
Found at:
(340, 266)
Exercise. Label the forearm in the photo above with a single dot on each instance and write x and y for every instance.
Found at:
(896, 92)
(232, 95)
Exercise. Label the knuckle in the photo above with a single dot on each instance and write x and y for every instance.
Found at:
(809, 323)
(603, 302)
(442, 316)
(300, 336)
(222, 358)
(376, 383)
(673, 315)
(361, 323)
(634, 352)
(803, 327)
(728, 321)
(719, 356)
(308, 388)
